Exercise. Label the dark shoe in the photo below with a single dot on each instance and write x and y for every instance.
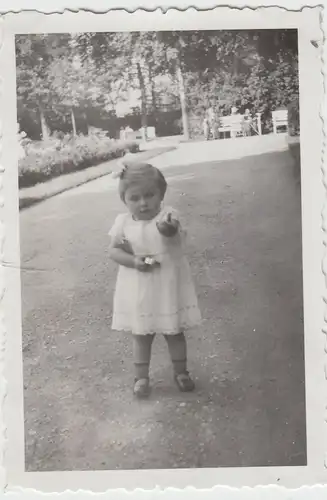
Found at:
(142, 388)
(184, 382)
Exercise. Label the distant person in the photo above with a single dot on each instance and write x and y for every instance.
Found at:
(154, 291)
(247, 123)
(212, 121)
(234, 113)
(210, 124)
(206, 128)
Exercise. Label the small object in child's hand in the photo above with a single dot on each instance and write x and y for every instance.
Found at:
(149, 261)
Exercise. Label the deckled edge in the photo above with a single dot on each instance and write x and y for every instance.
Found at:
(3, 382)
(229, 493)
(323, 117)
(164, 9)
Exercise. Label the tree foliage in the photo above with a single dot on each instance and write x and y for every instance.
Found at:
(61, 75)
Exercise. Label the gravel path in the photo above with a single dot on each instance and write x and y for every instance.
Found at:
(243, 219)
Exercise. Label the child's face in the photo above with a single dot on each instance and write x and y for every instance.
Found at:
(143, 201)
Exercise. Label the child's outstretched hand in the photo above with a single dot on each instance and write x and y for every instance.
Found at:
(168, 226)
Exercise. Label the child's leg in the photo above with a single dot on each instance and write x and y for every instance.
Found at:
(178, 353)
(142, 354)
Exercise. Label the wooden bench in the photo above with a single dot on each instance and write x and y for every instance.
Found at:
(233, 124)
(280, 120)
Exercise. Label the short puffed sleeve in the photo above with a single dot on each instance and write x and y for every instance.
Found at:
(117, 230)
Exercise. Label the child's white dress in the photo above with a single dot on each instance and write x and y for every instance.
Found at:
(159, 301)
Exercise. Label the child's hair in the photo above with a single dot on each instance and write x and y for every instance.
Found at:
(138, 172)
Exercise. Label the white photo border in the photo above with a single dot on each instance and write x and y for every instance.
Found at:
(309, 22)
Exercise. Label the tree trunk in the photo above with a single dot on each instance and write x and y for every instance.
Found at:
(143, 100)
(153, 91)
(44, 127)
(72, 115)
(181, 88)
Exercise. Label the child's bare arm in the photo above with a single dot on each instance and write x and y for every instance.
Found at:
(122, 254)
(124, 245)
(121, 257)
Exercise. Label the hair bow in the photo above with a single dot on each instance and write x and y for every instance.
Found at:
(119, 173)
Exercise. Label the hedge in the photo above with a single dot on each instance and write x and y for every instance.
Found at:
(58, 156)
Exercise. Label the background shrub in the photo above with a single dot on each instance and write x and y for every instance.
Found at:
(60, 155)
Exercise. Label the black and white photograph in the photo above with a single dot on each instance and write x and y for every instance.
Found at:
(162, 291)
(163, 225)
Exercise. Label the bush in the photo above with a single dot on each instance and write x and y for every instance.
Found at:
(60, 155)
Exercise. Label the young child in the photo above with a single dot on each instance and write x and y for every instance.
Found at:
(154, 291)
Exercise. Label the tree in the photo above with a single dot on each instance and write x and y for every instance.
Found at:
(200, 58)
(62, 75)
(173, 44)
(271, 44)
(34, 54)
(76, 84)
(130, 59)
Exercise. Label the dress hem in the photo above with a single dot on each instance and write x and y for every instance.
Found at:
(183, 328)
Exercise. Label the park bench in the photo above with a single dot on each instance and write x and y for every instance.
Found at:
(280, 120)
(233, 125)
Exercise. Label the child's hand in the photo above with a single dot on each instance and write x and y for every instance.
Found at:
(140, 265)
(168, 226)
(145, 264)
